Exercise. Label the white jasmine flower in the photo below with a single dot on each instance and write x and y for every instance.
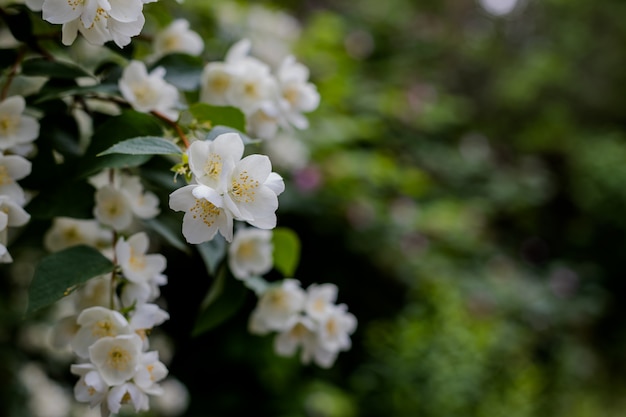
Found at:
(299, 332)
(144, 204)
(215, 82)
(177, 37)
(263, 123)
(320, 300)
(112, 208)
(277, 306)
(15, 127)
(297, 94)
(319, 355)
(209, 159)
(245, 189)
(13, 168)
(127, 393)
(148, 92)
(252, 191)
(142, 292)
(96, 323)
(99, 21)
(150, 371)
(241, 80)
(66, 232)
(136, 265)
(202, 219)
(90, 388)
(116, 358)
(250, 253)
(144, 318)
(11, 213)
(252, 86)
(335, 329)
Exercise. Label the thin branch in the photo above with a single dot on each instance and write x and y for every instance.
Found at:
(12, 73)
(174, 125)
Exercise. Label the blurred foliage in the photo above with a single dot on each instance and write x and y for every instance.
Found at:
(470, 208)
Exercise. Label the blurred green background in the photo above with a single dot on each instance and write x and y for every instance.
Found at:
(465, 188)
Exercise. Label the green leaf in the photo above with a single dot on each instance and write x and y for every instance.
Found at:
(182, 70)
(144, 145)
(53, 69)
(225, 297)
(129, 124)
(286, 251)
(50, 93)
(56, 275)
(212, 252)
(216, 115)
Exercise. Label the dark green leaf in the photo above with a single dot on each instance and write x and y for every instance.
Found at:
(145, 145)
(286, 251)
(57, 274)
(128, 125)
(53, 69)
(50, 93)
(61, 131)
(212, 252)
(182, 70)
(225, 297)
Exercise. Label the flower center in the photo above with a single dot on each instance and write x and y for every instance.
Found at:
(331, 327)
(102, 328)
(243, 188)
(5, 178)
(137, 261)
(213, 166)
(291, 95)
(220, 82)
(246, 250)
(7, 125)
(118, 358)
(144, 94)
(206, 211)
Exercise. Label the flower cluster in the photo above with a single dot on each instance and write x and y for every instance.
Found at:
(113, 314)
(269, 101)
(121, 198)
(109, 331)
(309, 320)
(148, 92)
(226, 187)
(99, 21)
(177, 38)
(17, 132)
